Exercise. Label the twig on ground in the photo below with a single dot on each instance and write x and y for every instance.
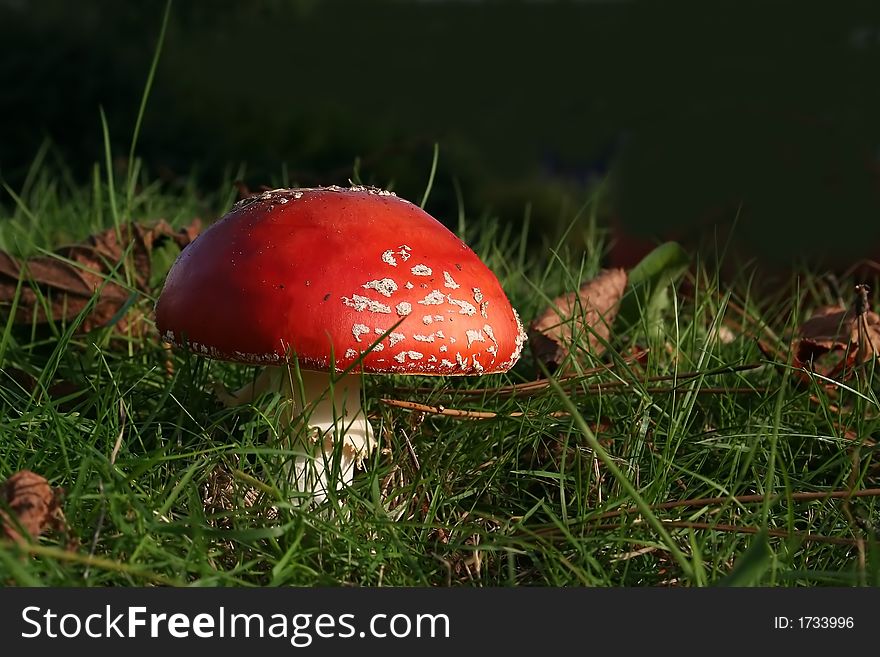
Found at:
(533, 387)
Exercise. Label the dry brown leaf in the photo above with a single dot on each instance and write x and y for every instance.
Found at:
(835, 339)
(56, 390)
(591, 311)
(33, 502)
(68, 280)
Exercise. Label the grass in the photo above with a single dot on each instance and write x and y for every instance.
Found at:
(570, 484)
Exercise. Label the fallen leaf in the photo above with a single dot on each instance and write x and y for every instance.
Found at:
(55, 391)
(834, 339)
(591, 311)
(67, 280)
(33, 503)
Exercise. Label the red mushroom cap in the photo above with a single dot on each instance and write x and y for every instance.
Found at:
(336, 276)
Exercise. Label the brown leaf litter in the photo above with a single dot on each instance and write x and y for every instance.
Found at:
(33, 507)
(590, 311)
(56, 390)
(835, 339)
(65, 282)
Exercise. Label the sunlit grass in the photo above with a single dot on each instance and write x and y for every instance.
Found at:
(164, 485)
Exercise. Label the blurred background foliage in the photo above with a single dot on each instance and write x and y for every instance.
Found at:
(693, 116)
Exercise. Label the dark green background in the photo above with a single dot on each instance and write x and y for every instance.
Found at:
(697, 111)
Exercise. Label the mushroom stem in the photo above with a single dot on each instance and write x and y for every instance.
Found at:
(323, 422)
(333, 430)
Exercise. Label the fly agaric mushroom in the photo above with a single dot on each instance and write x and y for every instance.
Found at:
(339, 281)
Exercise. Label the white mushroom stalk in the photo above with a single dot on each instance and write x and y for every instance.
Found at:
(323, 423)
